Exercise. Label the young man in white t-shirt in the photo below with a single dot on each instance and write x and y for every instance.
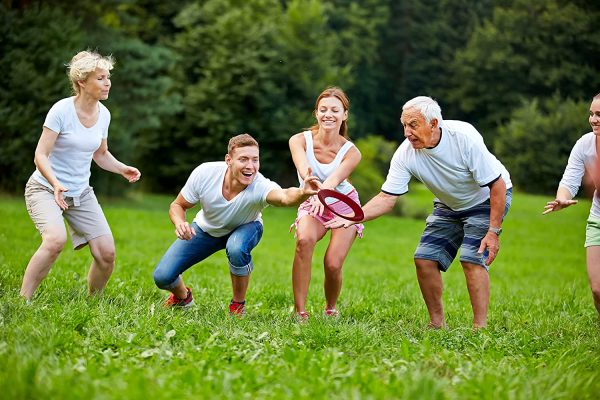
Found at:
(470, 186)
(232, 195)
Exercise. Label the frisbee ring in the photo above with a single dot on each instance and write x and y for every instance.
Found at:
(324, 194)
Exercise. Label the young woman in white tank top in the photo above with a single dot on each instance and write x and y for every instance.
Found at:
(323, 151)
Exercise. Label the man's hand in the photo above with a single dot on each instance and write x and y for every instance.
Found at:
(311, 185)
(184, 231)
(338, 222)
(557, 205)
(492, 243)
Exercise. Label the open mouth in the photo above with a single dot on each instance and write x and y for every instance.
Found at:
(247, 174)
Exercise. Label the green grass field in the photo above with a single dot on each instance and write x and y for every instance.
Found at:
(543, 339)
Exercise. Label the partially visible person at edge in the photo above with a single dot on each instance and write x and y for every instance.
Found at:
(232, 194)
(75, 132)
(470, 186)
(584, 156)
(325, 150)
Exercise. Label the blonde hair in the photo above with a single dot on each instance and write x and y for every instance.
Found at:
(84, 63)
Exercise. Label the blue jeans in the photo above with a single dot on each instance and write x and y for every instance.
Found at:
(184, 253)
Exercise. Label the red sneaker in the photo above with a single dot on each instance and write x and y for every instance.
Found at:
(331, 313)
(237, 308)
(174, 301)
(301, 317)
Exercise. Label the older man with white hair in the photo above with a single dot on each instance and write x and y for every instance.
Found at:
(473, 194)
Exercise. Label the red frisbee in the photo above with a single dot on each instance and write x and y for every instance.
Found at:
(359, 215)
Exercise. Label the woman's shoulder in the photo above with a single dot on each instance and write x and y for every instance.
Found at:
(103, 108)
(300, 137)
(63, 104)
(586, 140)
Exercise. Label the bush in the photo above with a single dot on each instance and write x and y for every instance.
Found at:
(372, 171)
(536, 142)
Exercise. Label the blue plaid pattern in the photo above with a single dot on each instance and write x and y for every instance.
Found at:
(447, 231)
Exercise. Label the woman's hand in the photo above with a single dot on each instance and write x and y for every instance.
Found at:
(58, 196)
(316, 207)
(557, 205)
(132, 174)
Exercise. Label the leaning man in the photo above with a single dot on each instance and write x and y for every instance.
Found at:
(473, 194)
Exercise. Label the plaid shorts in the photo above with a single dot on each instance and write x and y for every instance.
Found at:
(447, 231)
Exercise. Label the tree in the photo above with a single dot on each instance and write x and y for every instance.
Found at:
(536, 141)
(36, 43)
(528, 49)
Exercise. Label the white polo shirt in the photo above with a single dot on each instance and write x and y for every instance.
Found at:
(220, 216)
(457, 170)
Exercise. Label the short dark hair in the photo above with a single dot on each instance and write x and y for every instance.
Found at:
(243, 140)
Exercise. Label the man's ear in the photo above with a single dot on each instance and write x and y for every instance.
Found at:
(228, 159)
(434, 123)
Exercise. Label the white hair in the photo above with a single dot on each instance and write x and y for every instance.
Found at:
(427, 106)
(84, 63)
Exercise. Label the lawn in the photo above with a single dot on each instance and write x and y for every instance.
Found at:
(543, 339)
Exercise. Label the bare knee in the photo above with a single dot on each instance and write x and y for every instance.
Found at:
(333, 265)
(105, 258)
(426, 266)
(54, 242)
(333, 268)
(305, 244)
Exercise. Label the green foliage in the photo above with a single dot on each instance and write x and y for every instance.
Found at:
(34, 45)
(542, 341)
(370, 174)
(528, 49)
(536, 142)
(142, 99)
(190, 74)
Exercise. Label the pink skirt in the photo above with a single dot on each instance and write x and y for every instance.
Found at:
(327, 216)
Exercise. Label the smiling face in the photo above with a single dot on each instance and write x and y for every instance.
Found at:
(243, 163)
(97, 84)
(330, 113)
(417, 130)
(594, 118)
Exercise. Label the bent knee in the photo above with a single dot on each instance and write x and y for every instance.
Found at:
(333, 267)
(54, 242)
(163, 279)
(241, 271)
(305, 243)
(424, 264)
(106, 257)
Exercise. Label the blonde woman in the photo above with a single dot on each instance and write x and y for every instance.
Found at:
(75, 131)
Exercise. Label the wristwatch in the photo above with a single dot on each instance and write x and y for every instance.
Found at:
(497, 231)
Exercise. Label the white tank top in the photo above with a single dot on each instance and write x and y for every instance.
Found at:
(322, 171)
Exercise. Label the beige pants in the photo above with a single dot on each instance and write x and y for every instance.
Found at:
(84, 216)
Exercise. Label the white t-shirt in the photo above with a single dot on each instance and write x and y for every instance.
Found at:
(457, 170)
(218, 216)
(583, 153)
(322, 171)
(71, 156)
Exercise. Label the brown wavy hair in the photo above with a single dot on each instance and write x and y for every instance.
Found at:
(333, 91)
